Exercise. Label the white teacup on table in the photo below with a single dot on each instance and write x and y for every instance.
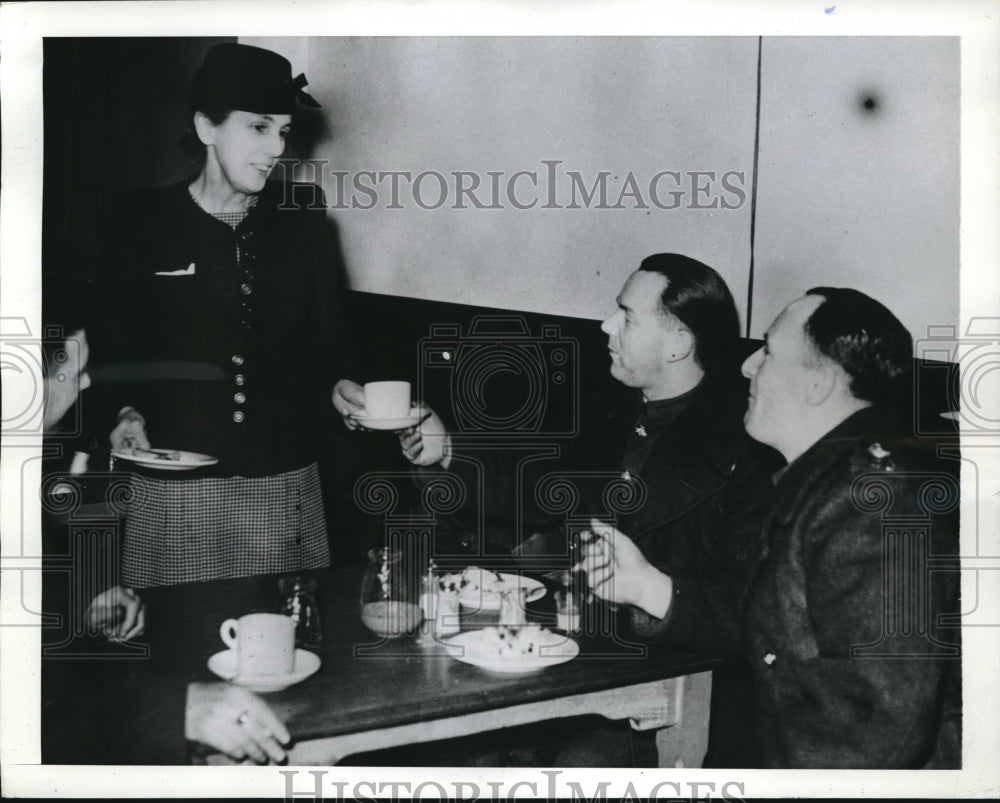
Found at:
(264, 643)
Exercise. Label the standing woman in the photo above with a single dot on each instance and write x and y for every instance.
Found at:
(220, 332)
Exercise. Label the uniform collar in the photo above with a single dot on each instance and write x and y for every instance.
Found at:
(659, 414)
(795, 480)
(711, 413)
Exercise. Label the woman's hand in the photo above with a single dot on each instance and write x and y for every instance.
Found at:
(118, 612)
(234, 721)
(427, 443)
(618, 571)
(349, 401)
(130, 432)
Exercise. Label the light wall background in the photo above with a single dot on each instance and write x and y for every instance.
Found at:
(854, 197)
(846, 195)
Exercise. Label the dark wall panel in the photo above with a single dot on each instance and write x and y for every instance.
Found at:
(115, 111)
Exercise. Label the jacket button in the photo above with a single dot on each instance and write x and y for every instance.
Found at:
(239, 398)
(246, 289)
(238, 416)
(239, 379)
(237, 359)
(770, 658)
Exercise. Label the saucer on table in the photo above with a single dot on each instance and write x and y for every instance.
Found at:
(512, 650)
(224, 665)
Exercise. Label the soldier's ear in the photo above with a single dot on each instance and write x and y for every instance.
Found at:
(823, 381)
(681, 343)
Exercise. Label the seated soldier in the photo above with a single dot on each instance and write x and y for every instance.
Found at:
(695, 482)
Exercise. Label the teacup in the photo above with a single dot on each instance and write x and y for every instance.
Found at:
(387, 399)
(264, 643)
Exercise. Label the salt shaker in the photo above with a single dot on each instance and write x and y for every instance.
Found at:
(429, 592)
(569, 602)
(446, 619)
(512, 612)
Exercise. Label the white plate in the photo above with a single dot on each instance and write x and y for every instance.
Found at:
(224, 665)
(163, 459)
(489, 599)
(388, 423)
(485, 649)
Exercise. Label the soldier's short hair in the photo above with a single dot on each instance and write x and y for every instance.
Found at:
(864, 338)
(698, 297)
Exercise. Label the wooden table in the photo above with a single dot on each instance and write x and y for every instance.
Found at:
(371, 693)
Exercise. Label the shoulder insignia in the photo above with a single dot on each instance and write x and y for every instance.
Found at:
(880, 458)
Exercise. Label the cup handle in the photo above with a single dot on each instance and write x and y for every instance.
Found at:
(228, 631)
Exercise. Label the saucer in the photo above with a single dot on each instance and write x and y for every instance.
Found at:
(224, 665)
(512, 651)
(368, 422)
(473, 595)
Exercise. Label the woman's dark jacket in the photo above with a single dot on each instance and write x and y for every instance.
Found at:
(231, 356)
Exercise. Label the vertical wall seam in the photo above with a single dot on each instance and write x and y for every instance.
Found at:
(753, 191)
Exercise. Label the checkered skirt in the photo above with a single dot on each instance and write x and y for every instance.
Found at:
(182, 531)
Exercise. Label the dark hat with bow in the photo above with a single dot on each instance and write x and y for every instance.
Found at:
(246, 78)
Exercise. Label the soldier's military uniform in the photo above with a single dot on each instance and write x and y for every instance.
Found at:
(852, 666)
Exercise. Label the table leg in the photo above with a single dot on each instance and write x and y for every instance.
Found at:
(685, 742)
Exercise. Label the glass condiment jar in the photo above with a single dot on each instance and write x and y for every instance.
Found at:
(298, 601)
(389, 596)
